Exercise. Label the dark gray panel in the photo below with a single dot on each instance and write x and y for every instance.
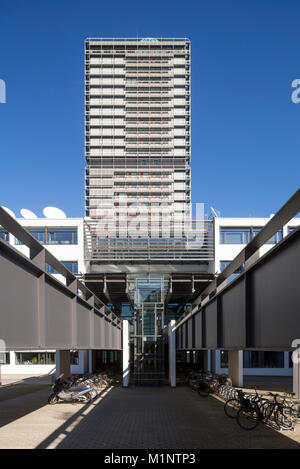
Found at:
(18, 310)
(106, 334)
(211, 325)
(184, 344)
(83, 327)
(233, 317)
(98, 332)
(190, 334)
(178, 338)
(198, 330)
(58, 319)
(276, 300)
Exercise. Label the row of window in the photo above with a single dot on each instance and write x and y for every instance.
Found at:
(4, 234)
(251, 359)
(47, 235)
(142, 184)
(244, 235)
(53, 235)
(236, 235)
(258, 359)
(38, 358)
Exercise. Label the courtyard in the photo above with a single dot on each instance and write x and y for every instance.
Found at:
(137, 417)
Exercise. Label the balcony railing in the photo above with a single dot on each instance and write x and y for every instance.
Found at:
(168, 241)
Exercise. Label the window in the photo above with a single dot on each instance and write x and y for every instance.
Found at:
(263, 359)
(72, 266)
(74, 357)
(53, 235)
(273, 240)
(244, 235)
(35, 358)
(256, 359)
(5, 358)
(224, 264)
(4, 235)
(224, 359)
(290, 229)
(235, 235)
(62, 236)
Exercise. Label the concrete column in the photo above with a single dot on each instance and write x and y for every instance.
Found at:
(63, 363)
(84, 358)
(235, 367)
(213, 361)
(206, 360)
(126, 348)
(172, 353)
(90, 361)
(296, 377)
(12, 358)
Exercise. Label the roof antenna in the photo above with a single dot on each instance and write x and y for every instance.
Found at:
(215, 213)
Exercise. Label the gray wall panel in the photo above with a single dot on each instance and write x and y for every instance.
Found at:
(190, 334)
(83, 326)
(198, 330)
(18, 310)
(58, 319)
(211, 325)
(98, 328)
(183, 345)
(233, 317)
(276, 302)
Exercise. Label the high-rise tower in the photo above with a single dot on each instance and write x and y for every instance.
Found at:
(137, 138)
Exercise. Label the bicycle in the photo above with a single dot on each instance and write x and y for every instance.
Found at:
(248, 417)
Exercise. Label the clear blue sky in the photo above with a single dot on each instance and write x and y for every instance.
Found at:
(245, 129)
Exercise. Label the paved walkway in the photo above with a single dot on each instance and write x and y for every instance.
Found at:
(129, 418)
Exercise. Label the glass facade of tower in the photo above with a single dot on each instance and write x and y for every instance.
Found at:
(137, 126)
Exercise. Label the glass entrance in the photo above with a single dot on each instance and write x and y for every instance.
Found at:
(149, 340)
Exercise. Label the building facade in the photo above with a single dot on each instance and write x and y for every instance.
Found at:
(64, 238)
(137, 126)
(139, 248)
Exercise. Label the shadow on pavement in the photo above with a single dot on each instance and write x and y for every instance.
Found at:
(13, 408)
(63, 431)
(160, 418)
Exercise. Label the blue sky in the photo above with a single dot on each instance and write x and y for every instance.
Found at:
(245, 128)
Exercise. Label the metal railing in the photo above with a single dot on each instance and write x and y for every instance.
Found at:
(109, 241)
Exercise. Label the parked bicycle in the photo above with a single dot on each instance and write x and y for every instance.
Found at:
(276, 410)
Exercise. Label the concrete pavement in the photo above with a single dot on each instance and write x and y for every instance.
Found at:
(130, 418)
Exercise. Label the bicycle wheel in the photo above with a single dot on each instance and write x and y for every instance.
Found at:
(232, 407)
(52, 399)
(285, 418)
(267, 408)
(203, 390)
(248, 419)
